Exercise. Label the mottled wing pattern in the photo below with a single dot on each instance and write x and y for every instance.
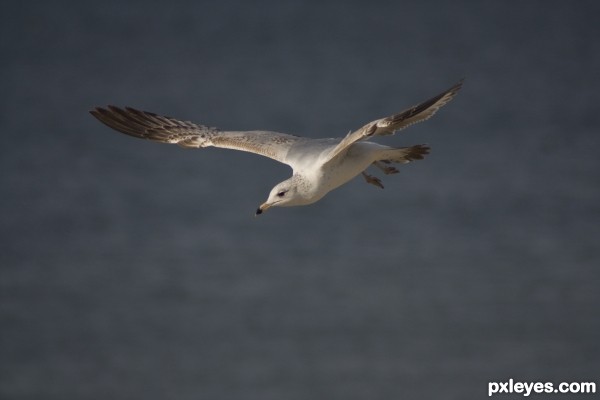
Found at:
(396, 122)
(147, 125)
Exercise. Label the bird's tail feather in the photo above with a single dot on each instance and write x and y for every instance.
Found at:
(404, 155)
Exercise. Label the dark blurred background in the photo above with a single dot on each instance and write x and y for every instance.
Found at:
(135, 270)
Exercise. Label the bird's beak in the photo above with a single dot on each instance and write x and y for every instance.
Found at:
(262, 207)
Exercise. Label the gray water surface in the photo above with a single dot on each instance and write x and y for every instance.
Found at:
(135, 270)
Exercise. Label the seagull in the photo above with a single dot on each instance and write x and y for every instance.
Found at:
(319, 165)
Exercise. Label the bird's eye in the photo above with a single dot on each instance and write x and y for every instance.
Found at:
(281, 194)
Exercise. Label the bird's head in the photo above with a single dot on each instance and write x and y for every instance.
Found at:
(284, 194)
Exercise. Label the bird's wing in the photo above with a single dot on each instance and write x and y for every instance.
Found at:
(389, 125)
(146, 125)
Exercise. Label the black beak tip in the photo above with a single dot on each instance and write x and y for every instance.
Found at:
(258, 211)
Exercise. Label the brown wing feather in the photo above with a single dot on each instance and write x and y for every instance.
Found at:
(396, 122)
(147, 125)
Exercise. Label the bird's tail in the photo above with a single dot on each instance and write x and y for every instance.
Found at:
(403, 155)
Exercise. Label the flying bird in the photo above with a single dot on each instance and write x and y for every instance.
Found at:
(319, 165)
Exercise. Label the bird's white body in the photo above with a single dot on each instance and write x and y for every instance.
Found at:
(323, 180)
